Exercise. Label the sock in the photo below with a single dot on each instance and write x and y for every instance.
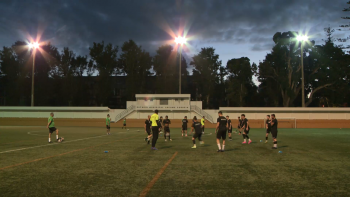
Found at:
(267, 138)
(56, 137)
(219, 146)
(245, 140)
(169, 136)
(223, 147)
(230, 137)
(243, 136)
(275, 144)
(194, 142)
(49, 139)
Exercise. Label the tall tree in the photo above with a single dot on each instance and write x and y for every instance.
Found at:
(136, 64)
(240, 80)
(105, 61)
(205, 73)
(327, 66)
(346, 27)
(283, 67)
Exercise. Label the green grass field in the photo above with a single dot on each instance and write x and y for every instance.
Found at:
(313, 162)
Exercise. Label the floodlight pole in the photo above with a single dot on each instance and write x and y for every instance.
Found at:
(32, 98)
(180, 70)
(302, 76)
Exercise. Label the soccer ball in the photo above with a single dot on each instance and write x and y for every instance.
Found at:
(61, 139)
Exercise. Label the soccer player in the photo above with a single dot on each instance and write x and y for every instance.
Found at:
(51, 127)
(148, 124)
(229, 128)
(197, 126)
(246, 128)
(166, 123)
(268, 127)
(184, 126)
(155, 129)
(124, 123)
(221, 127)
(202, 122)
(108, 124)
(239, 125)
(274, 124)
(161, 124)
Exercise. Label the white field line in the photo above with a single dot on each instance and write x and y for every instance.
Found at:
(53, 144)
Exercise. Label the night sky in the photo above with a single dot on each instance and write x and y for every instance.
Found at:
(235, 28)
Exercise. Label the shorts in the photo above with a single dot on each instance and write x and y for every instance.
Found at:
(52, 129)
(166, 129)
(197, 135)
(274, 134)
(124, 125)
(184, 128)
(108, 127)
(268, 130)
(229, 130)
(221, 134)
(148, 131)
(245, 131)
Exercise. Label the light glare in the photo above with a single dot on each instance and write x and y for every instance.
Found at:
(302, 38)
(180, 40)
(34, 45)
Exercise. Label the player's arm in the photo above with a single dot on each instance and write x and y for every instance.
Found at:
(272, 123)
(217, 127)
(226, 125)
(145, 128)
(247, 127)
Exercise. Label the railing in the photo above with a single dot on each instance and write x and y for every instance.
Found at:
(202, 113)
(125, 113)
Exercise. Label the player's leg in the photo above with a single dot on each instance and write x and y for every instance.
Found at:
(218, 137)
(203, 129)
(169, 134)
(244, 140)
(185, 132)
(155, 132)
(230, 134)
(246, 135)
(223, 141)
(194, 140)
(267, 136)
(274, 136)
(49, 136)
(200, 139)
(182, 131)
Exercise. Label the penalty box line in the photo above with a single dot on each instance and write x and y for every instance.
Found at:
(19, 164)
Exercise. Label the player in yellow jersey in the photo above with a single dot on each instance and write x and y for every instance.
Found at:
(202, 122)
(155, 129)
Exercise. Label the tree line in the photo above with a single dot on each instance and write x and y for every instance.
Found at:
(60, 76)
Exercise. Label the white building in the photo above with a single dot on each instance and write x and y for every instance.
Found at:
(176, 106)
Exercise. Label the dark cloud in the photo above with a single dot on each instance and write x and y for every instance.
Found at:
(78, 23)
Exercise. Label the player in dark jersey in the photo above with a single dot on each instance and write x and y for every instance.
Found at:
(221, 127)
(166, 123)
(161, 124)
(274, 130)
(229, 129)
(148, 124)
(197, 127)
(184, 126)
(239, 125)
(245, 128)
(268, 127)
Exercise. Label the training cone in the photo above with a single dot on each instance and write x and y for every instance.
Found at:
(106, 151)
